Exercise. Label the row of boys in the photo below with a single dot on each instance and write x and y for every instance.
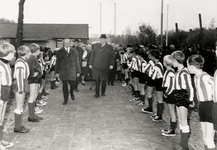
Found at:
(28, 75)
(174, 88)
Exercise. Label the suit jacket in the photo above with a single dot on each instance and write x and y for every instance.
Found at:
(67, 64)
(80, 53)
(101, 58)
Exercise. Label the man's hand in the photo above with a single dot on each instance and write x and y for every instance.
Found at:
(57, 75)
(90, 66)
(111, 67)
(165, 96)
(78, 74)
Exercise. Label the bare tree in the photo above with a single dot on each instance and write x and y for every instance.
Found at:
(19, 35)
(212, 24)
(147, 35)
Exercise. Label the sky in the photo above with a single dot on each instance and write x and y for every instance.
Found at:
(129, 13)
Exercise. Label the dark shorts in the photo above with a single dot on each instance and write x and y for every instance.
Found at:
(136, 74)
(181, 98)
(33, 80)
(52, 69)
(132, 74)
(158, 84)
(125, 66)
(5, 93)
(170, 97)
(143, 78)
(205, 111)
(44, 75)
(150, 82)
(214, 116)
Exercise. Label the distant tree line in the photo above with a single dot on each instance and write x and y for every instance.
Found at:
(147, 36)
(4, 20)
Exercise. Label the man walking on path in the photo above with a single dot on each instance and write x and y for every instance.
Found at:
(67, 68)
(101, 60)
(80, 54)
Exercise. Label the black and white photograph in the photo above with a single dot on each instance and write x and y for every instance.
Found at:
(108, 75)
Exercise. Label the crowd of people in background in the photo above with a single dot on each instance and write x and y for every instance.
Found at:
(179, 78)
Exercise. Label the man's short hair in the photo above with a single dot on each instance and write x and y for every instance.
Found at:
(6, 48)
(77, 40)
(66, 41)
(34, 47)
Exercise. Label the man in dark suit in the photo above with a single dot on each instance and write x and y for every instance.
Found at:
(67, 68)
(112, 73)
(80, 53)
(101, 60)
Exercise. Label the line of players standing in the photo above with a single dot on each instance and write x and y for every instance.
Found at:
(149, 76)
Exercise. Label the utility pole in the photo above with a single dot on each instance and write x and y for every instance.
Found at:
(114, 18)
(167, 26)
(201, 30)
(161, 34)
(100, 18)
(177, 34)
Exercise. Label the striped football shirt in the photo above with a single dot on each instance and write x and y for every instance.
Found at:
(183, 82)
(21, 73)
(169, 81)
(158, 71)
(204, 87)
(5, 71)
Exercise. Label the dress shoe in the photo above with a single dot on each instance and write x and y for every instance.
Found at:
(40, 118)
(64, 103)
(73, 97)
(96, 95)
(45, 93)
(103, 94)
(33, 119)
(76, 90)
(21, 130)
(25, 128)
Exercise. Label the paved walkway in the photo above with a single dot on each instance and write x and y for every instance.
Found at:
(105, 123)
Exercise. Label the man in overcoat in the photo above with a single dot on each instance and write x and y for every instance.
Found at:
(80, 53)
(67, 69)
(101, 60)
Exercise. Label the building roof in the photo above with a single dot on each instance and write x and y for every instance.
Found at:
(46, 30)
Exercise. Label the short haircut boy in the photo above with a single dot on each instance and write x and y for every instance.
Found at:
(178, 56)
(34, 47)
(23, 50)
(142, 53)
(6, 48)
(196, 60)
(155, 53)
(168, 60)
